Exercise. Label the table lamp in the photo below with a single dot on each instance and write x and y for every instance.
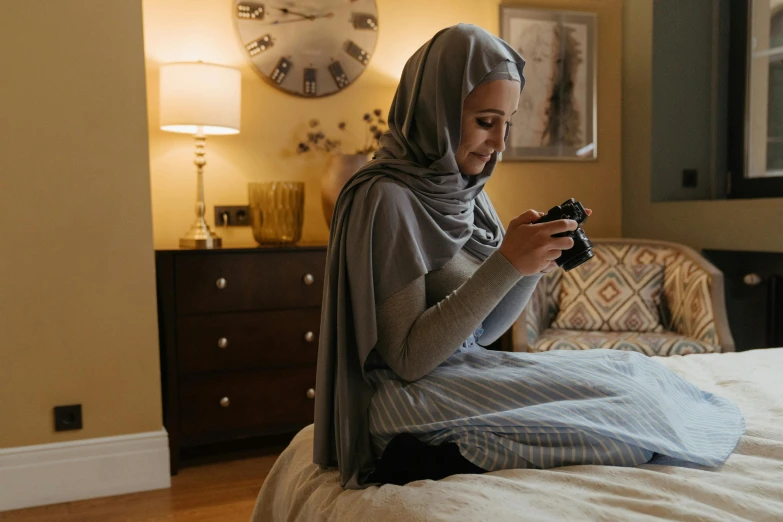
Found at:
(200, 99)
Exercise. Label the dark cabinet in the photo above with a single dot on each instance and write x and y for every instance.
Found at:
(754, 296)
(238, 342)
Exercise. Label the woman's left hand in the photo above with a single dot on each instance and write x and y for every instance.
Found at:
(553, 264)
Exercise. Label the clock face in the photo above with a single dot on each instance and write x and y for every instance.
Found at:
(308, 47)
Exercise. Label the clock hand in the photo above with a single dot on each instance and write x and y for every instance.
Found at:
(312, 18)
(286, 10)
(326, 15)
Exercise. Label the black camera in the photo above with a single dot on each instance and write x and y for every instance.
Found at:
(583, 248)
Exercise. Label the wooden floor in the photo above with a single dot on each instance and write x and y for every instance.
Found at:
(224, 491)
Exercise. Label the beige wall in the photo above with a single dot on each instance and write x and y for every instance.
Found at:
(77, 302)
(519, 186)
(77, 294)
(751, 224)
(184, 30)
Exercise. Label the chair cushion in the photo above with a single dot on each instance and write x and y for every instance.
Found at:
(611, 298)
(665, 343)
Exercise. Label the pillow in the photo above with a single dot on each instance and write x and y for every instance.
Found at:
(611, 298)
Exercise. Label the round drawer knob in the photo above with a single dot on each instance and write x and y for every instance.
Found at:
(309, 337)
(225, 402)
(310, 393)
(221, 283)
(752, 279)
(308, 279)
(222, 342)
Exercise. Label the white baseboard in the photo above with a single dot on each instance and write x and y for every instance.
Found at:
(67, 471)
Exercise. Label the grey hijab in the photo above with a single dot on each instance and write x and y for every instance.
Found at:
(410, 210)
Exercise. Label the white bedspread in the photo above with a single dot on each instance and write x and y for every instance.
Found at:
(748, 487)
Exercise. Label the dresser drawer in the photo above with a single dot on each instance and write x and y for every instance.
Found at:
(248, 341)
(247, 281)
(231, 401)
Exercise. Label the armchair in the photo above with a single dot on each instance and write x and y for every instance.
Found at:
(694, 318)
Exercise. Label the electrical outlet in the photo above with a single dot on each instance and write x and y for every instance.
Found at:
(689, 177)
(232, 216)
(68, 417)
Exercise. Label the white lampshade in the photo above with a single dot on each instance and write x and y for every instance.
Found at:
(200, 96)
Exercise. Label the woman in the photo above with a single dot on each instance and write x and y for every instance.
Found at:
(421, 275)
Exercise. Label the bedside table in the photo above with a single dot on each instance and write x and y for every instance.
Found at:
(238, 341)
(754, 295)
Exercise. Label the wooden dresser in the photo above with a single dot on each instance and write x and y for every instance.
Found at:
(238, 341)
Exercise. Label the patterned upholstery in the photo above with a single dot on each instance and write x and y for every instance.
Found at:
(611, 298)
(687, 290)
(688, 321)
(650, 343)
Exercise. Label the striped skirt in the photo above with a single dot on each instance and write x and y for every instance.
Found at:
(558, 408)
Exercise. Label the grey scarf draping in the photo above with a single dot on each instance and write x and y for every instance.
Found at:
(413, 211)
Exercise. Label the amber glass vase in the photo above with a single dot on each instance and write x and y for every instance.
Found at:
(276, 211)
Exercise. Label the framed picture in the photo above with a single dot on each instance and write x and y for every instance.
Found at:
(556, 119)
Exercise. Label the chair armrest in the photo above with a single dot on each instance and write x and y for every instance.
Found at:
(538, 314)
(695, 295)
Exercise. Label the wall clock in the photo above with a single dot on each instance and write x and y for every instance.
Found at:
(308, 48)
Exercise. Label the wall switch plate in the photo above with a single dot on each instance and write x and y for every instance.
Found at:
(689, 177)
(232, 216)
(68, 417)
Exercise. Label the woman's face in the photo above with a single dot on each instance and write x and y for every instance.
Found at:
(485, 115)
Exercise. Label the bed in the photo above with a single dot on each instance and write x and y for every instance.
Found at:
(749, 486)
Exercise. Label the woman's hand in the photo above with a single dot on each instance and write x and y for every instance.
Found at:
(530, 247)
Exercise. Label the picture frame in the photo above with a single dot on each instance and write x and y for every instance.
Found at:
(558, 107)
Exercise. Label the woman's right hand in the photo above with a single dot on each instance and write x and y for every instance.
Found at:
(530, 247)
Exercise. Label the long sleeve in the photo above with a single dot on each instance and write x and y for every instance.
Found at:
(414, 339)
(507, 311)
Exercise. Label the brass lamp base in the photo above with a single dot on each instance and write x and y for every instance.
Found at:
(200, 236)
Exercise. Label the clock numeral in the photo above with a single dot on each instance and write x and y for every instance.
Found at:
(361, 56)
(260, 45)
(250, 11)
(310, 87)
(340, 78)
(365, 21)
(281, 70)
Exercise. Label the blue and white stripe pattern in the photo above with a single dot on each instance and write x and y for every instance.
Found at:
(559, 408)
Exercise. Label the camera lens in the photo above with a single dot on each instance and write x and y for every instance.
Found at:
(578, 260)
(578, 254)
